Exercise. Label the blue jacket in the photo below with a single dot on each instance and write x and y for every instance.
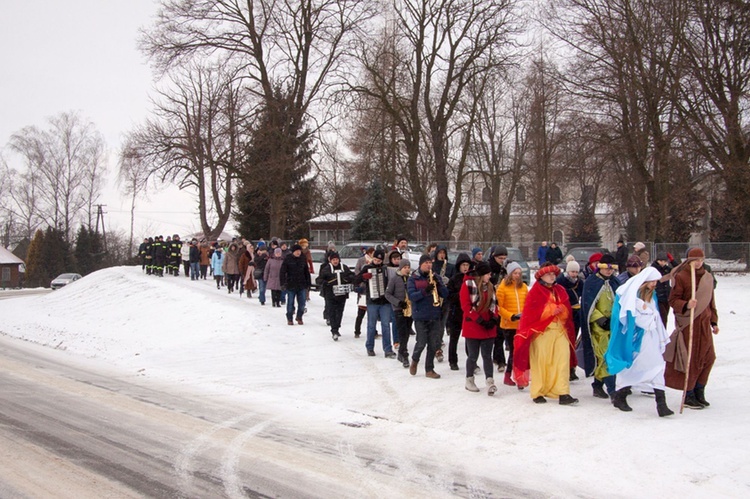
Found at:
(216, 260)
(541, 254)
(422, 308)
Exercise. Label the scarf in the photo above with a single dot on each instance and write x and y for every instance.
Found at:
(471, 285)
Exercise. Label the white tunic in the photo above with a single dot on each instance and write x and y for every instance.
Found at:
(647, 370)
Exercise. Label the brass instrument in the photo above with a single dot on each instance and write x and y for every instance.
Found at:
(407, 308)
(437, 301)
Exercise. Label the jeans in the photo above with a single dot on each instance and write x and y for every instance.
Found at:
(261, 290)
(382, 312)
(291, 294)
(194, 270)
(475, 346)
(429, 334)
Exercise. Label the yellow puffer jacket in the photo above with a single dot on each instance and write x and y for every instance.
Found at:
(510, 301)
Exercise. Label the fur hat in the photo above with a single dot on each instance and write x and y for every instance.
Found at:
(296, 247)
(513, 266)
(482, 269)
(551, 268)
(639, 246)
(424, 258)
(572, 266)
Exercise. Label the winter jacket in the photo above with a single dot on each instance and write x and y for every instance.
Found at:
(328, 278)
(395, 292)
(246, 260)
(295, 274)
(205, 254)
(217, 263)
(442, 267)
(271, 273)
(422, 302)
(541, 254)
(232, 261)
(194, 255)
(510, 301)
(554, 255)
(621, 258)
(575, 291)
(261, 258)
(643, 255)
(663, 288)
(453, 303)
(185, 252)
(470, 328)
(361, 279)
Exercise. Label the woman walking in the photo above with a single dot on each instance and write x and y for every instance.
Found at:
(480, 321)
(217, 264)
(271, 274)
(511, 297)
(637, 342)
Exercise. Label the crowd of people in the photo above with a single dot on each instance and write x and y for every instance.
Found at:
(609, 318)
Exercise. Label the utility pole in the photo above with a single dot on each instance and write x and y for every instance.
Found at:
(100, 216)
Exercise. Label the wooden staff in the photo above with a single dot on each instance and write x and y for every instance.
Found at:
(690, 336)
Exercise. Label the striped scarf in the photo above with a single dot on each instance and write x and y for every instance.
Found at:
(474, 296)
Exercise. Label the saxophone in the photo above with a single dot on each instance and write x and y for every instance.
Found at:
(437, 301)
(407, 308)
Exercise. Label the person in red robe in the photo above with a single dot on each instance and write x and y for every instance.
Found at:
(544, 343)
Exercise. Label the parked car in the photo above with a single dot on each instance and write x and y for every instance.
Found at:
(582, 255)
(514, 255)
(63, 280)
(351, 252)
(318, 258)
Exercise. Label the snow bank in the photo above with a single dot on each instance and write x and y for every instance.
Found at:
(175, 330)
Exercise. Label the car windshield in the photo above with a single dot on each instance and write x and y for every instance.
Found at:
(66, 276)
(350, 252)
(583, 254)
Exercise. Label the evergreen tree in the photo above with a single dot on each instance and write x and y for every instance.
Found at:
(585, 228)
(275, 190)
(56, 255)
(34, 266)
(376, 219)
(83, 251)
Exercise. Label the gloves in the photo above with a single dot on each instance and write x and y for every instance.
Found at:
(515, 317)
(603, 322)
(367, 276)
(402, 305)
(481, 322)
(487, 323)
(430, 288)
(492, 323)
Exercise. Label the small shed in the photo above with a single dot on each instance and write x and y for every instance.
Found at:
(11, 268)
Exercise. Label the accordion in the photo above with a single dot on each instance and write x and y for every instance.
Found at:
(376, 285)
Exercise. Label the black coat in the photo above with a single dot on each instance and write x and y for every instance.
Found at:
(295, 274)
(621, 258)
(554, 255)
(327, 279)
(195, 254)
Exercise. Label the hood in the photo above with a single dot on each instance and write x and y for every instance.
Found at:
(462, 258)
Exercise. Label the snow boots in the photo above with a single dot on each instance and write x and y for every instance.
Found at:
(661, 404)
(620, 401)
(470, 385)
(700, 395)
(491, 388)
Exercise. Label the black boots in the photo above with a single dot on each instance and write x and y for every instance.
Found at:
(700, 395)
(599, 391)
(620, 401)
(661, 404)
(691, 402)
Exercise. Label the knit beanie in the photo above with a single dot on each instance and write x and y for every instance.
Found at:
(474, 252)
(404, 263)
(572, 266)
(424, 258)
(482, 269)
(512, 266)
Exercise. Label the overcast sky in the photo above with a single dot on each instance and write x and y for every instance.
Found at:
(81, 55)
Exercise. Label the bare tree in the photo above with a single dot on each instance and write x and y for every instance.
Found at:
(194, 140)
(65, 161)
(440, 47)
(715, 97)
(296, 45)
(133, 177)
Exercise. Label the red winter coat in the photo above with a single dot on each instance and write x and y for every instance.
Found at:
(470, 328)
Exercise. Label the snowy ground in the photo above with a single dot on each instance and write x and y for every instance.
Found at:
(189, 333)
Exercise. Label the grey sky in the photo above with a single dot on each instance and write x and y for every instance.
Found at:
(81, 55)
